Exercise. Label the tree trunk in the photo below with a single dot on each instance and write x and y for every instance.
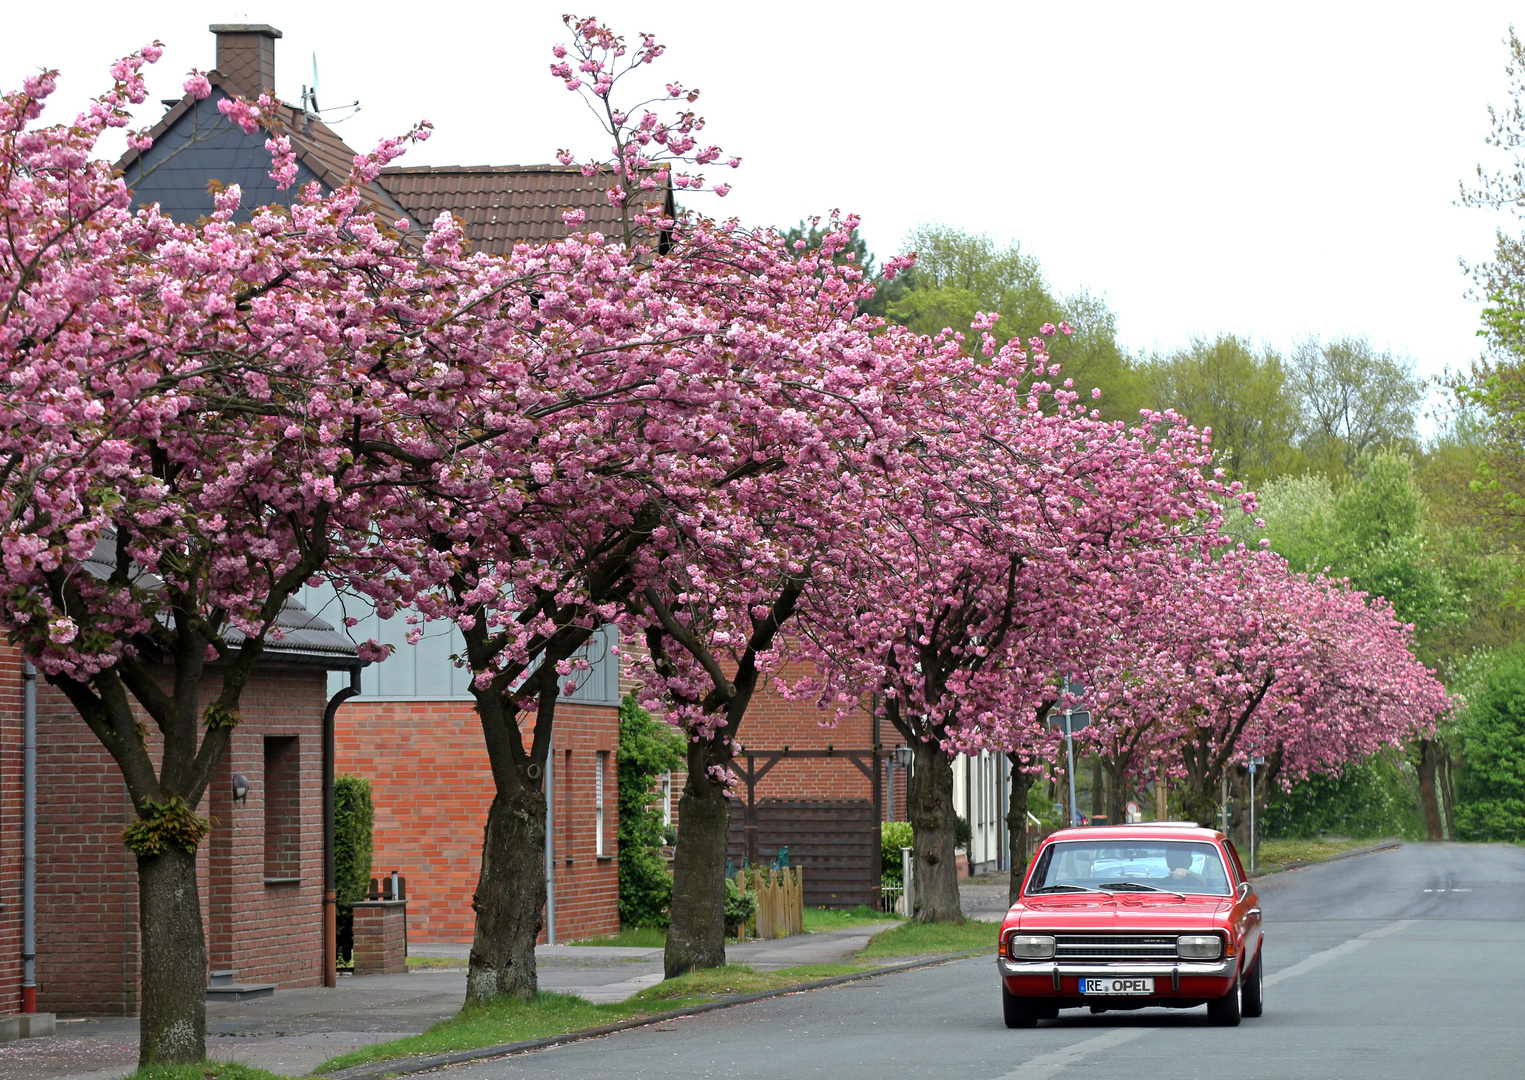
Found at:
(1428, 796)
(933, 823)
(173, 1028)
(1098, 789)
(696, 935)
(510, 899)
(1016, 825)
(1117, 790)
(1200, 804)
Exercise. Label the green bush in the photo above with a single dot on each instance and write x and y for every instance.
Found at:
(354, 824)
(1369, 798)
(893, 835)
(739, 906)
(647, 749)
(1490, 790)
(963, 833)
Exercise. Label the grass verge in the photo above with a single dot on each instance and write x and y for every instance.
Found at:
(560, 1014)
(819, 918)
(416, 963)
(205, 1070)
(1272, 853)
(631, 937)
(910, 939)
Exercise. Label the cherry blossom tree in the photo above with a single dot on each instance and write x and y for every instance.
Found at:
(198, 419)
(1242, 657)
(984, 574)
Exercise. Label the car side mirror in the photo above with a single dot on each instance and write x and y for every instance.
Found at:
(1244, 889)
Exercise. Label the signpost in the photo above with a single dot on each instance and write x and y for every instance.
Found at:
(1074, 720)
(1134, 812)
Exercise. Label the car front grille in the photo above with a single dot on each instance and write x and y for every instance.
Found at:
(1115, 948)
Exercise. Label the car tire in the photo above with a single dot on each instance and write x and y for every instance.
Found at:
(1224, 1012)
(1252, 993)
(1018, 1012)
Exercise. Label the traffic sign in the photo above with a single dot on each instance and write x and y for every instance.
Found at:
(1135, 814)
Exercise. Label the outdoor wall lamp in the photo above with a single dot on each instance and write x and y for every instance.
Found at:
(240, 787)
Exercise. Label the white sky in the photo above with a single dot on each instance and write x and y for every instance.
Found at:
(1271, 172)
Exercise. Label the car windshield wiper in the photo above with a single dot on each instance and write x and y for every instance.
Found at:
(1139, 886)
(1065, 888)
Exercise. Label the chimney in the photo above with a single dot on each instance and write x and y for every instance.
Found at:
(246, 56)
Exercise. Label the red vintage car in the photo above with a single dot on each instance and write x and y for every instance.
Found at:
(1132, 917)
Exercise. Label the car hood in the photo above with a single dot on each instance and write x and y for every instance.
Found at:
(1120, 912)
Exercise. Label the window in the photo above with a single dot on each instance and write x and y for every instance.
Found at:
(598, 804)
(283, 810)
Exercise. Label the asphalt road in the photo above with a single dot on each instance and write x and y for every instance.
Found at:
(1405, 963)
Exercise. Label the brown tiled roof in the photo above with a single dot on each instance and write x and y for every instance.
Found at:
(501, 205)
(316, 145)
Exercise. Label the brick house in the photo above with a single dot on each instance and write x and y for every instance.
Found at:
(261, 869)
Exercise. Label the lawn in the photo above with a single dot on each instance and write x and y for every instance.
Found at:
(416, 963)
(911, 939)
(1270, 853)
(631, 937)
(816, 920)
(734, 980)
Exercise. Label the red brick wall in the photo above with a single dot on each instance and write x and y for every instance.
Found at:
(432, 786)
(87, 937)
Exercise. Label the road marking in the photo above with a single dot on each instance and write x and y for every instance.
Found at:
(1046, 1065)
(1345, 948)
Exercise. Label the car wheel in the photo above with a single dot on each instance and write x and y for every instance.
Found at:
(1018, 1012)
(1225, 1011)
(1252, 993)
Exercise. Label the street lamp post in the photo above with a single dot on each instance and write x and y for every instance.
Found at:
(1074, 720)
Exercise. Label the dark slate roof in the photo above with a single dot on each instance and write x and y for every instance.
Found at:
(307, 639)
(194, 143)
(503, 205)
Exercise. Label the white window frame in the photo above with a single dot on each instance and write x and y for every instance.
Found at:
(598, 805)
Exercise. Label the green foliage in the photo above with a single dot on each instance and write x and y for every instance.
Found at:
(1242, 393)
(958, 274)
(893, 835)
(739, 906)
(1355, 400)
(1376, 797)
(354, 828)
(1491, 725)
(219, 716)
(204, 1070)
(647, 750)
(963, 833)
(165, 825)
(1376, 530)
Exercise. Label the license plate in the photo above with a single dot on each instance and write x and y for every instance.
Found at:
(1117, 987)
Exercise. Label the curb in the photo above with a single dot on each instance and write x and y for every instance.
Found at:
(1299, 864)
(377, 1070)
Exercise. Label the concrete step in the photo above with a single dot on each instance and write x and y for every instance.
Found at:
(26, 1026)
(240, 991)
(224, 978)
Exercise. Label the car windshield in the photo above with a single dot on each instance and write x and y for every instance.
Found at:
(1179, 866)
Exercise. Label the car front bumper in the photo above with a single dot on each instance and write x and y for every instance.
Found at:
(1185, 978)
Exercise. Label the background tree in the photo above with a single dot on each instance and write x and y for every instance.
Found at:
(1355, 399)
(960, 274)
(1491, 725)
(1243, 394)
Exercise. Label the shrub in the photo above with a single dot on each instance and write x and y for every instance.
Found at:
(739, 906)
(893, 835)
(647, 750)
(1490, 792)
(1369, 798)
(354, 824)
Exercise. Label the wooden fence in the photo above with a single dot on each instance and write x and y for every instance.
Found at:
(835, 841)
(780, 899)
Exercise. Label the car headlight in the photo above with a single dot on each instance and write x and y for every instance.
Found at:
(1030, 947)
(1199, 946)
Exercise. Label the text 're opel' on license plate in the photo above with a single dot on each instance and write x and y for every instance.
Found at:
(1119, 987)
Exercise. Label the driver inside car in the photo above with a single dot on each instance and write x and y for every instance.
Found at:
(1181, 873)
